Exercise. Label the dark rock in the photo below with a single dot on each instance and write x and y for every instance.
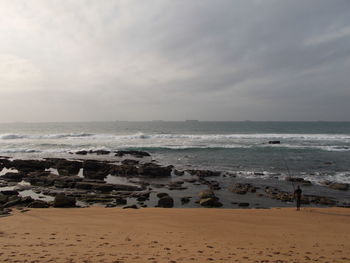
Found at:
(9, 192)
(339, 186)
(61, 200)
(130, 162)
(274, 142)
(166, 202)
(243, 204)
(103, 187)
(26, 200)
(120, 201)
(124, 170)
(12, 201)
(96, 170)
(140, 194)
(141, 198)
(185, 200)
(131, 206)
(176, 185)
(160, 195)
(154, 170)
(68, 168)
(204, 173)
(83, 152)
(3, 198)
(210, 202)
(13, 177)
(243, 188)
(100, 152)
(38, 204)
(29, 165)
(179, 173)
(298, 180)
(191, 180)
(137, 154)
(20, 187)
(206, 194)
(47, 179)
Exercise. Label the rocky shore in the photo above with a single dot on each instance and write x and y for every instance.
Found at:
(132, 180)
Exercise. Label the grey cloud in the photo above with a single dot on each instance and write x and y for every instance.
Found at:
(139, 60)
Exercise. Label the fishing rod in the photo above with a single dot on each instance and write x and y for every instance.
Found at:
(288, 170)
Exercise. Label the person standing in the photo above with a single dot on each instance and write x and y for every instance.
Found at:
(297, 196)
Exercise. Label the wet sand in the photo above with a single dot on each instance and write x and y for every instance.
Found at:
(176, 235)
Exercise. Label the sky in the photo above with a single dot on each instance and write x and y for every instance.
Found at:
(263, 60)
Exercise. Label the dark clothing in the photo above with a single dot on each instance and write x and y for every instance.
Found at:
(297, 195)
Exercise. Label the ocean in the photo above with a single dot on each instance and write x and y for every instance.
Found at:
(316, 151)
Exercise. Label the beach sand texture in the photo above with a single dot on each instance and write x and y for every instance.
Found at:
(176, 235)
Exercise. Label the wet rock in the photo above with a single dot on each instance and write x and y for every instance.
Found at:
(12, 201)
(21, 187)
(166, 202)
(154, 170)
(176, 185)
(3, 198)
(38, 204)
(298, 180)
(95, 169)
(68, 168)
(213, 185)
(208, 199)
(137, 154)
(61, 200)
(339, 186)
(83, 152)
(130, 162)
(124, 170)
(9, 192)
(131, 206)
(47, 179)
(103, 187)
(242, 189)
(206, 194)
(191, 180)
(120, 201)
(210, 202)
(204, 173)
(179, 173)
(29, 165)
(185, 200)
(13, 177)
(160, 195)
(100, 152)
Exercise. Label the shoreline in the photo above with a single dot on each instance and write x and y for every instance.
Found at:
(135, 178)
(176, 235)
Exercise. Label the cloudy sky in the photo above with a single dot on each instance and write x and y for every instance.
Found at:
(84, 60)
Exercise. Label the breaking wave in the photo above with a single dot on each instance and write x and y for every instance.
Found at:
(316, 137)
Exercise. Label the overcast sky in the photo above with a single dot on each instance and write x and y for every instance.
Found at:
(84, 60)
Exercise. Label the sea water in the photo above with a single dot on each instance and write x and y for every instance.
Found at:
(316, 151)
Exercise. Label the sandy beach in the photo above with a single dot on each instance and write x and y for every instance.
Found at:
(176, 235)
